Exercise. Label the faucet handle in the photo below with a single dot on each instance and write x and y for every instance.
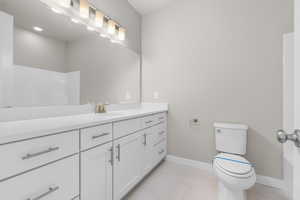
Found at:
(101, 108)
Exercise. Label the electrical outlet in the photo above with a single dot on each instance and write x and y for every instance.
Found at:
(195, 122)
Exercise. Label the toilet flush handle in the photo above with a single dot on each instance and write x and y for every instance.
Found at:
(283, 137)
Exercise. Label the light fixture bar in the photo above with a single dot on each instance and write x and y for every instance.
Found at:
(83, 12)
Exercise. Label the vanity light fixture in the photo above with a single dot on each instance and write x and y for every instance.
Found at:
(84, 9)
(38, 29)
(83, 12)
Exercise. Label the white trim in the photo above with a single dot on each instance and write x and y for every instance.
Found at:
(264, 180)
(191, 163)
(269, 181)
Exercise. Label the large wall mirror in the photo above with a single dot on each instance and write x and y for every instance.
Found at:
(60, 61)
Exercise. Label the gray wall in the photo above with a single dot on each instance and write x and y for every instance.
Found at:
(35, 50)
(219, 61)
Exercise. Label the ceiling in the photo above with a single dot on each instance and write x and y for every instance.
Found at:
(145, 7)
(29, 13)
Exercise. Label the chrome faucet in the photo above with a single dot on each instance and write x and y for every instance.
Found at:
(101, 108)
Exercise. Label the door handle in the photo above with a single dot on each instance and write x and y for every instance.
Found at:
(111, 150)
(119, 152)
(283, 137)
(145, 139)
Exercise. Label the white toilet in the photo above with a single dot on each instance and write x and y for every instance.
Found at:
(235, 174)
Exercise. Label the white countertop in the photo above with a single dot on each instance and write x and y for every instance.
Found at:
(20, 130)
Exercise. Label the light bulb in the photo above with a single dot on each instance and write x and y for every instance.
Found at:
(122, 34)
(84, 9)
(99, 19)
(111, 27)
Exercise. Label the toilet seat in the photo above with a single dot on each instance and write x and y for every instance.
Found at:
(233, 165)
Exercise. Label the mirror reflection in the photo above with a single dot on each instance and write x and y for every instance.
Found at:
(61, 60)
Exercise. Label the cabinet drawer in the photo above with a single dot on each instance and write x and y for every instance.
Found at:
(22, 156)
(153, 120)
(160, 150)
(126, 127)
(59, 180)
(161, 118)
(161, 131)
(149, 121)
(94, 136)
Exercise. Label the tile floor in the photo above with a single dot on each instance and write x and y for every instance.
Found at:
(171, 181)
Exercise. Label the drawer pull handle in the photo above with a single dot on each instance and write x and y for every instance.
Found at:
(99, 136)
(162, 132)
(161, 152)
(50, 191)
(32, 155)
(148, 122)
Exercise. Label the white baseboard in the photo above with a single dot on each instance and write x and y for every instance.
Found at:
(264, 180)
(191, 163)
(269, 181)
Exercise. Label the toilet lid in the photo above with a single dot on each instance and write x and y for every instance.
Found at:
(233, 163)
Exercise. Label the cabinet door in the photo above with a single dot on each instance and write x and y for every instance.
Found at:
(127, 164)
(96, 173)
(148, 153)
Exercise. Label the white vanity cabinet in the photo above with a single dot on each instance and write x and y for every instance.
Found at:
(127, 163)
(96, 162)
(96, 173)
(138, 153)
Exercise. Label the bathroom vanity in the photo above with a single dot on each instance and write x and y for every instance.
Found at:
(47, 154)
(86, 157)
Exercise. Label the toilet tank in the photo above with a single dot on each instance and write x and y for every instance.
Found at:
(231, 138)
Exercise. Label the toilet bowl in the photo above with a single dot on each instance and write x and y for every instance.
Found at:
(235, 175)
